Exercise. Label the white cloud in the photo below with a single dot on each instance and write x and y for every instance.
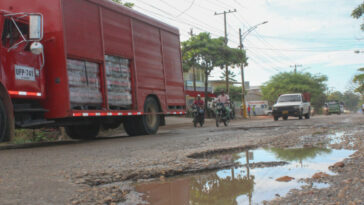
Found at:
(308, 25)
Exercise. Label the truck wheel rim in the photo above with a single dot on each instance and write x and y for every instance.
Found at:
(151, 116)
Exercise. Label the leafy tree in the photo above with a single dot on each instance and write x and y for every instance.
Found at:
(232, 57)
(231, 76)
(350, 99)
(203, 52)
(290, 82)
(127, 4)
(235, 92)
(359, 79)
(337, 95)
(359, 12)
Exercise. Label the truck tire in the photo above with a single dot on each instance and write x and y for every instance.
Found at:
(83, 132)
(275, 118)
(285, 117)
(151, 121)
(4, 124)
(300, 116)
(132, 125)
(147, 124)
(307, 116)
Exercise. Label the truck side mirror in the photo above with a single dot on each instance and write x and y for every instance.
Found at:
(35, 27)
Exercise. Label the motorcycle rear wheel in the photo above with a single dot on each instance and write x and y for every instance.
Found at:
(226, 123)
(218, 119)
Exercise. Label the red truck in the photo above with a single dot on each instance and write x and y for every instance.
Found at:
(86, 65)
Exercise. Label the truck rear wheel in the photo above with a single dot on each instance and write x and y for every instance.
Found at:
(83, 132)
(147, 124)
(152, 120)
(4, 124)
(275, 118)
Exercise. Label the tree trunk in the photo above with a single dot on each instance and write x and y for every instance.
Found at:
(227, 79)
(206, 93)
(194, 78)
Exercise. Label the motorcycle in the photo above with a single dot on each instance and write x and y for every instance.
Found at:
(221, 115)
(198, 115)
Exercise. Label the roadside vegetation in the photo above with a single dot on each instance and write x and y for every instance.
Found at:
(349, 98)
(291, 82)
(358, 13)
(206, 53)
(23, 136)
(127, 4)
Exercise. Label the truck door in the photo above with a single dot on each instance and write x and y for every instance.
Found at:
(22, 68)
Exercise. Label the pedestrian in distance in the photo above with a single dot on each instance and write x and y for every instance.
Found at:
(249, 109)
(255, 114)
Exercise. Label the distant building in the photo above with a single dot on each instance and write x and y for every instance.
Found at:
(254, 93)
(200, 81)
(192, 92)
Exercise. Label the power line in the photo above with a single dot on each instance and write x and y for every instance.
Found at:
(195, 20)
(193, 1)
(298, 49)
(186, 22)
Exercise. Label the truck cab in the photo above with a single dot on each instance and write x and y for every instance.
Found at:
(295, 105)
(21, 70)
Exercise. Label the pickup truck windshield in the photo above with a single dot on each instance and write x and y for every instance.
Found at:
(290, 98)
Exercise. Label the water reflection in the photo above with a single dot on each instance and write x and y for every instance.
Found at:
(244, 185)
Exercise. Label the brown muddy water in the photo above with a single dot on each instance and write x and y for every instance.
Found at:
(244, 184)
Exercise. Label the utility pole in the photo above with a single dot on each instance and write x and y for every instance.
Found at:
(193, 67)
(226, 42)
(242, 78)
(241, 38)
(295, 67)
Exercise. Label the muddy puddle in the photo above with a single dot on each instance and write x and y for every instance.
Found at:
(246, 183)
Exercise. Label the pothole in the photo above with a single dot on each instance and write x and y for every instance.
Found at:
(246, 184)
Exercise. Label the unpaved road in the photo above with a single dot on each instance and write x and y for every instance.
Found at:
(71, 173)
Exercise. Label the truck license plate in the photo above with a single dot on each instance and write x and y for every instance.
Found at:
(24, 73)
(285, 112)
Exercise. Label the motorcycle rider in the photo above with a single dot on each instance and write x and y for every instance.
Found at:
(224, 99)
(199, 102)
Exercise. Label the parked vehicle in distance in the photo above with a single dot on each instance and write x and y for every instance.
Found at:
(261, 107)
(333, 107)
(342, 108)
(295, 105)
(268, 112)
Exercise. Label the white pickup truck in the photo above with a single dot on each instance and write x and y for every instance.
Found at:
(296, 105)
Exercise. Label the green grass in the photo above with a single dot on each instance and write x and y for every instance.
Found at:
(23, 136)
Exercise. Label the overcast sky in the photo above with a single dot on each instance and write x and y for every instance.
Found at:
(320, 35)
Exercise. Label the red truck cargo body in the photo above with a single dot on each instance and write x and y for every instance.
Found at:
(93, 37)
